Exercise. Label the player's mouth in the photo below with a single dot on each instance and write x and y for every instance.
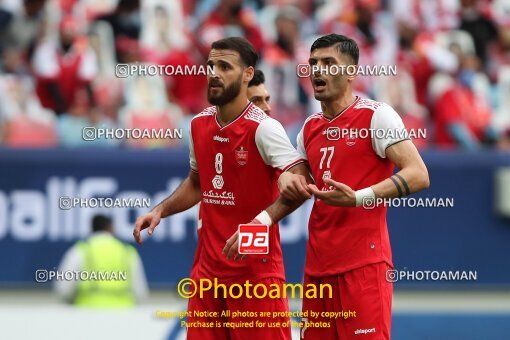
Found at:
(319, 84)
(215, 85)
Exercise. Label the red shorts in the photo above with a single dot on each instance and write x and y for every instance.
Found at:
(242, 304)
(363, 295)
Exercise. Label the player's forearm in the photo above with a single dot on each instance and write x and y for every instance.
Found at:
(403, 183)
(282, 207)
(285, 206)
(183, 198)
(302, 169)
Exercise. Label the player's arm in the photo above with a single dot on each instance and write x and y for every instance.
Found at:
(277, 151)
(284, 206)
(293, 185)
(412, 176)
(183, 198)
(275, 212)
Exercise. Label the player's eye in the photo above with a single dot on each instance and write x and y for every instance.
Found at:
(224, 66)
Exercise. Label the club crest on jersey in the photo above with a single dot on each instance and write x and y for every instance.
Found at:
(241, 156)
(350, 140)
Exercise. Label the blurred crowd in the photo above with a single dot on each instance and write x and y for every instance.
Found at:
(58, 60)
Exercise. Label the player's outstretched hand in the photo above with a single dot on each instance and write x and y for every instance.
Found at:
(149, 220)
(231, 247)
(293, 186)
(341, 195)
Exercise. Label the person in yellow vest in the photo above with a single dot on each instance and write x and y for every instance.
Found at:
(106, 273)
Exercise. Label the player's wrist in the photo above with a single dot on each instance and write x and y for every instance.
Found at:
(158, 210)
(364, 194)
(264, 218)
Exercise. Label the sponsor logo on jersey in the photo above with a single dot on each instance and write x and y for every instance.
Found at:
(241, 156)
(253, 239)
(326, 174)
(218, 198)
(218, 182)
(364, 331)
(221, 139)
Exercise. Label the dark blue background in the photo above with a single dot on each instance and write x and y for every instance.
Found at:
(469, 236)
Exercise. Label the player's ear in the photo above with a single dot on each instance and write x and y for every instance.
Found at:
(249, 72)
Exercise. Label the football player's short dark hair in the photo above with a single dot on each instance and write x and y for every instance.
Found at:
(344, 44)
(258, 78)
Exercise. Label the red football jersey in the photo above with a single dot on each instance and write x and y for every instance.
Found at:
(237, 167)
(344, 238)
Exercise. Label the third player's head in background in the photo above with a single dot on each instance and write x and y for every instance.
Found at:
(258, 93)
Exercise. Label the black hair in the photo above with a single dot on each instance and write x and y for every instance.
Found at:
(344, 44)
(101, 223)
(258, 78)
(246, 51)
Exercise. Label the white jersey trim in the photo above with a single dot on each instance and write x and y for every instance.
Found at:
(386, 118)
(356, 101)
(248, 106)
(208, 111)
(274, 145)
(300, 139)
(192, 158)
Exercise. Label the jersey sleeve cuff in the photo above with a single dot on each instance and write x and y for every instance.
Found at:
(301, 160)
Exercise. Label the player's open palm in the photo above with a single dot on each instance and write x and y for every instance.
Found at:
(340, 195)
(149, 220)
